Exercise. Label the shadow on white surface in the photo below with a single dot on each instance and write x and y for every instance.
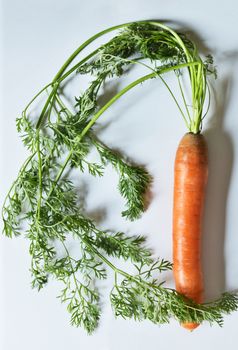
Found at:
(221, 155)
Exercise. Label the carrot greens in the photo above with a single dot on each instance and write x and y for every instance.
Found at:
(43, 203)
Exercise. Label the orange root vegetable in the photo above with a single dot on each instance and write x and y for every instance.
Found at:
(190, 178)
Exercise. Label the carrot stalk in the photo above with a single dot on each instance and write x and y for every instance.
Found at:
(190, 178)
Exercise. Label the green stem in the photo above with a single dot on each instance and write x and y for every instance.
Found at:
(39, 176)
(183, 96)
(35, 97)
(106, 261)
(49, 99)
(62, 105)
(60, 173)
(84, 45)
(175, 100)
(209, 100)
(59, 80)
(76, 66)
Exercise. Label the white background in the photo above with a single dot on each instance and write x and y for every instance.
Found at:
(38, 36)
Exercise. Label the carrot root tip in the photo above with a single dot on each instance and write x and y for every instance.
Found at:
(190, 326)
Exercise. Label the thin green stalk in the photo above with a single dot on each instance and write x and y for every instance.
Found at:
(175, 100)
(35, 97)
(183, 96)
(84, 45)
(59, 80)
(60, 173)
(48, 101)
(39, 176)
(106, 261)
(62, 105)
(77, 65)
(209, 100)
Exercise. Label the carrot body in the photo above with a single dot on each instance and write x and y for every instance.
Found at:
(190, 178)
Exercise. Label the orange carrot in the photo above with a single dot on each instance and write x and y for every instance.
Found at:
(190, 178)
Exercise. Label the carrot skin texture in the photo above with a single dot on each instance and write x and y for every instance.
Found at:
(190, 178)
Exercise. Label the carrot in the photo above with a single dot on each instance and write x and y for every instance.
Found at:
(35, 197)
(190, 178)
